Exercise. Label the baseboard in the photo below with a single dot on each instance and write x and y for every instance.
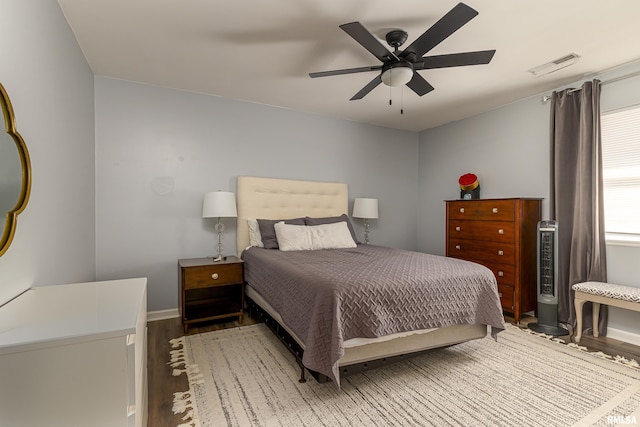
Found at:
(171, 313)
(626, 336)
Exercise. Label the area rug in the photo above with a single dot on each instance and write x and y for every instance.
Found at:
(246, 377)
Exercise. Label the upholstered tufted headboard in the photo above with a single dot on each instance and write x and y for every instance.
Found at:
(272, 198)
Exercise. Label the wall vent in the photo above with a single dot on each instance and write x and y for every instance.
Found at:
(555, 65)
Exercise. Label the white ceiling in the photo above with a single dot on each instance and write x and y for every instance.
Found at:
(262, 51)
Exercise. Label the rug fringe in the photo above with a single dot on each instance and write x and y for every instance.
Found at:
(617, 359)
(184, 401)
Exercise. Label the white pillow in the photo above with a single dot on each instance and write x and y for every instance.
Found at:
(255, 238)
(311, 237)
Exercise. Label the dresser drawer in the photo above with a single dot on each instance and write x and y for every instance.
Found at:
(493, 231)
(214, 275)
(505, 273)
(507, 296)
(482, 210)
(483, 252)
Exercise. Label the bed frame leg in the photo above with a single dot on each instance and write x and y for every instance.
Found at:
(302, 373)
(280, 333)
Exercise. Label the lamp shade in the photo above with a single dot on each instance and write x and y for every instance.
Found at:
(365, 208)
(219, 204)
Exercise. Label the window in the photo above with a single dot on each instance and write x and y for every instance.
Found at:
(621, 174)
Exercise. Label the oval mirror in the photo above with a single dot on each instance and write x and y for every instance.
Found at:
(15, 174)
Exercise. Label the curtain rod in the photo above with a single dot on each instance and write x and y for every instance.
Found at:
(613, 80)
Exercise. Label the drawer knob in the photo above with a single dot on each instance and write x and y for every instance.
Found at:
(500, 294)
(458, 247)
(501, 231)
(214, 276)
(494, 210)
(457, 228)
(501, 273)
(461, 210)
(500, 252)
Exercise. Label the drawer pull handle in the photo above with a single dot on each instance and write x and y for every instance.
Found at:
(501, 273)
(461, 210)
(494, 210)
(214, 276)
(501, 231)
(457, 228)
(458, 247)
(500, 252)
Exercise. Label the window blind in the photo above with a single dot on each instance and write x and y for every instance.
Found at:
(621, 173)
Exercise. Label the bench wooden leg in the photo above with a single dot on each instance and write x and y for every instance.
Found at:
(596, 314)
(578, 305)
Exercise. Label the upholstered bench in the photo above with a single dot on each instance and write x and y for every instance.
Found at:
(603, 293)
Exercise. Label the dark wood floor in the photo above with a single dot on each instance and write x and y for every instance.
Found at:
(162, 384)
(606, 345)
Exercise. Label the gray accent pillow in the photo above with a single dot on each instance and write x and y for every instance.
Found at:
(268, 232)
(331, 220)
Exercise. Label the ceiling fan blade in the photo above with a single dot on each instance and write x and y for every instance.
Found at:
(454, 60)
(447, 25)
(368, 88)
(368, 41)
(346, 71)
(419, 85)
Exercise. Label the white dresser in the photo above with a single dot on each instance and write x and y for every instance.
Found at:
(75, 355)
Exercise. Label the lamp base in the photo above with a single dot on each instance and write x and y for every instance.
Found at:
(366, 231)
(219, 228)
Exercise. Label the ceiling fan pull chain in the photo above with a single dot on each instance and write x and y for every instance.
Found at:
(401, 100)
(390, 71)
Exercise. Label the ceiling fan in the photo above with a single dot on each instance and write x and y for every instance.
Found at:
(399, 68)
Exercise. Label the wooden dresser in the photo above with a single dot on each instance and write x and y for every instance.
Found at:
(501, 235)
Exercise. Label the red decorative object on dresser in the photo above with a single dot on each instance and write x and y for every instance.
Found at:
(501, 235)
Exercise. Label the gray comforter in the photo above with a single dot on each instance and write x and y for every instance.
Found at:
(329, 296)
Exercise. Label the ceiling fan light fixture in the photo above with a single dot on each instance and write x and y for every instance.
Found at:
(397, 76)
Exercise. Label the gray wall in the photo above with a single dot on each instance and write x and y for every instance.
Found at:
(51, 89)
(159, 150)
(508, 148)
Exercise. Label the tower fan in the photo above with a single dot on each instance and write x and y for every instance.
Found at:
(547, 246)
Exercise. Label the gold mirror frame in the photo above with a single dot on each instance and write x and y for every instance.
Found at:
(12, 215)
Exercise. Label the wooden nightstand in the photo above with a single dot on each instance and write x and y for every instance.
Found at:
(210, 290)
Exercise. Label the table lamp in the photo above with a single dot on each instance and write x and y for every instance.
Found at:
(367, 209)
(219, 204)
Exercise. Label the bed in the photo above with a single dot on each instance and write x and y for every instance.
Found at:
(350, 309)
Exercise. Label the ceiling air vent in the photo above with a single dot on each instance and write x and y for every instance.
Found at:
(555, 65)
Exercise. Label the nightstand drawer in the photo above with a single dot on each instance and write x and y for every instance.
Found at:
(217, 275)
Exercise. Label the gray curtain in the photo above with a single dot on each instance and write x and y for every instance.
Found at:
(576, 197)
